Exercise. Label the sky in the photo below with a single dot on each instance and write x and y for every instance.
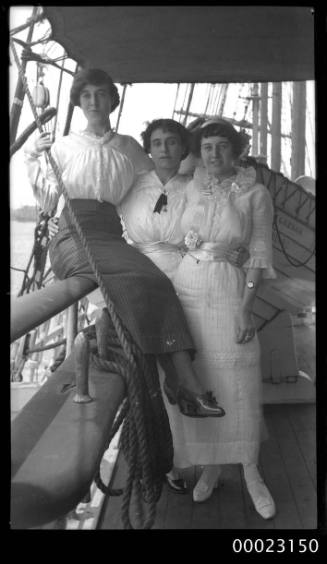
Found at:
(143, 102)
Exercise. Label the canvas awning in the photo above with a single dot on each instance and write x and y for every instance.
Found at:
(189, 43)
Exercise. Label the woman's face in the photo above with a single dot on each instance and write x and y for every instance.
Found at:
(166, 149)
(95, 101)
(217, 155)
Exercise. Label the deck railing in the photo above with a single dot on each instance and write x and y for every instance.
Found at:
(30, 310)
(56, 444)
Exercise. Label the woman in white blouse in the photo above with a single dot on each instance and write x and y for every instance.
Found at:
(225, 206)
(98, 168)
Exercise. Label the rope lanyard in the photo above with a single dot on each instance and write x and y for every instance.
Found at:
(146, 434)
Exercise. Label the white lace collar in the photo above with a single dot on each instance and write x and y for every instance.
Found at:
(107, 136)
(244, 179)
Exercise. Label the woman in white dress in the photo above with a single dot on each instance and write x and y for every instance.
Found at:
(225, 206)
(98, 168)
(151, 214)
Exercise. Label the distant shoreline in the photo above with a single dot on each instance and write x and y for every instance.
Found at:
(25, 213)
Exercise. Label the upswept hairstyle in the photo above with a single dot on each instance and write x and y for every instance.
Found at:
(167, 125)
(95, 77)
(222, 128)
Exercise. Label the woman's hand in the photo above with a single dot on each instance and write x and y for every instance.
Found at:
(43, 142)
(53, 227)
(238, 256)
(244, 326)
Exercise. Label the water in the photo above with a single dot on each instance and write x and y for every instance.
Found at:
(21, 244)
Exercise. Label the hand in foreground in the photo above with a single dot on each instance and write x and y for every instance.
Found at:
(244, 327)
(53, 227)
(238, 256)
(43, 142)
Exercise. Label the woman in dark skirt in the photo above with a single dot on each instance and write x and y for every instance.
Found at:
(98, 168)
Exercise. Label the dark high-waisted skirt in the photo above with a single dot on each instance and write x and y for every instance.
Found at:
(143, 296)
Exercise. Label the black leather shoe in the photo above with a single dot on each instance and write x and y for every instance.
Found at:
(192, 404)
(178, 486)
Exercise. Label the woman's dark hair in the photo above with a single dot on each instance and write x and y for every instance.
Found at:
(167, 125)
(95, 77)
(222, 128)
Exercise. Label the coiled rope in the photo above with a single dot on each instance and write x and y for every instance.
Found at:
(144, 423)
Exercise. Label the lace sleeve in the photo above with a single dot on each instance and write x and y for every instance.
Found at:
(44, 185)
(260, 246)
(124, 228)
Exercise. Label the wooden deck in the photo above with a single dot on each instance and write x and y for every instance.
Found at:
(287, 462)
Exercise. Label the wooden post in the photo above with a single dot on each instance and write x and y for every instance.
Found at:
(71, 327)
(276, 126)
(20, 92)
(255, 118)
(264, 119)
(298, 129)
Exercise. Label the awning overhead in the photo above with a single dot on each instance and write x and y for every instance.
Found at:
(189, 43)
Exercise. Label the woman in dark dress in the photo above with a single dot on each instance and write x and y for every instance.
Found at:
(98, 168)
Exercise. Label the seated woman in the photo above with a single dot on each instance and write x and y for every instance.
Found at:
(98, 168)
(225, 207)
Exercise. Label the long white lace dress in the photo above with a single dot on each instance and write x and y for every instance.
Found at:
(237, 211)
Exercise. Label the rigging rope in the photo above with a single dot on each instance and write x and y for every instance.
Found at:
(143, 424)
(39, 253)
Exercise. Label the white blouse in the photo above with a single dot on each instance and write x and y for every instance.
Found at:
(141, 223)
(236, 211)
(101, 168)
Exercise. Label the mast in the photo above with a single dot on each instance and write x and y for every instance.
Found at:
(276, 126)
(223, 100)
(264, 120)
(70, 111)
(255, 118)
(58, 96)
(121, 106)
(298, 129)
(176, 98)
(20, 92)
(190, 96)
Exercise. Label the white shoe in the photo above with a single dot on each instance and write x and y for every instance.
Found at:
(261, 497)
(206, 484)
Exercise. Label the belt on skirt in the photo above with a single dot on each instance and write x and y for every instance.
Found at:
(207, 251)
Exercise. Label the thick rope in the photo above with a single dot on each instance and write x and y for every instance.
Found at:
(139, 446)
(160, 453)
